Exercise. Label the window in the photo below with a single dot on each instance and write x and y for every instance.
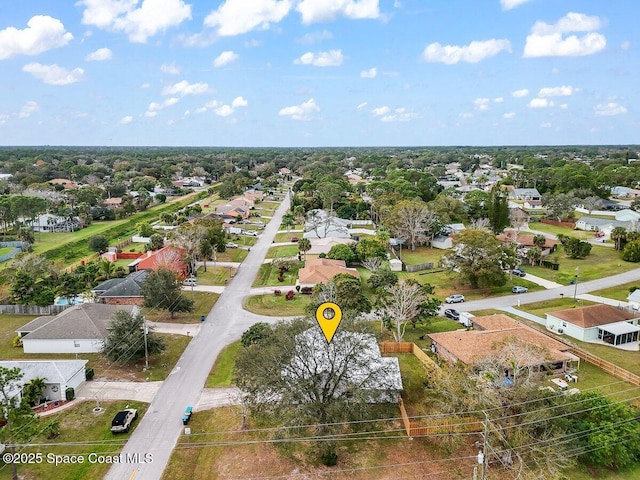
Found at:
(76, 344)
(564, 324)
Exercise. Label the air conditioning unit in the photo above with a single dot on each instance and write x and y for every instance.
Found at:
(560, 330)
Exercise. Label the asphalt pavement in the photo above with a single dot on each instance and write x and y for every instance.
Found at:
(159, 430)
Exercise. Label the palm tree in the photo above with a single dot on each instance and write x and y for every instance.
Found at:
(304, 245)
(107, 268)
(618, 234)
(539, 240)
(33, 390)
(288, 221)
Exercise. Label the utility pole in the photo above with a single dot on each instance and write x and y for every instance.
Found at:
(146, 350)
(575, 284)
(482, 456)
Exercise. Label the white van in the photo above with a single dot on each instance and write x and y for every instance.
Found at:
(466, 319)
(190, 282)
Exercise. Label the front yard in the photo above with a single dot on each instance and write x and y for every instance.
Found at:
(283, 251)
(268, 275)
(277, 305)
(203, 303)
(215, 275)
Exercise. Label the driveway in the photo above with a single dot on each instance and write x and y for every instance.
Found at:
(541, 281)
(187, 329)
(218, 397)
(159, 430)
(103, 391)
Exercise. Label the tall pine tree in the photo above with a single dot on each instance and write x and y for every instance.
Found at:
(498, 210)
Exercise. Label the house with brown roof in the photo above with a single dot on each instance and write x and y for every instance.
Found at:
(525, 241)
(78, 329)
(168, 257)
(489, 334)
(598, 324)
(113, 202)
(66, 184)
(322, 270)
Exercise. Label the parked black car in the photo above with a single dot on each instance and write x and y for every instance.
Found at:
(452, 314)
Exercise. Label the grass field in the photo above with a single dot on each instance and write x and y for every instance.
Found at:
(221, 374)
(283, 251)
(286, 237)
(215, 275)
(232, 255)
(555, 230)
(276, 306)
(268, 276)
(85, 432)
(619, 292)
(5, 250)
(203, 303)
(602, 262)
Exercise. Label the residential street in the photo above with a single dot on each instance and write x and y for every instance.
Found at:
(160, 428)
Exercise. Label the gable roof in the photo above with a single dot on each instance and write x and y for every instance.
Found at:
(80, 322)
(168, 256)
(128, 286)
(525, 240)
(472, 346)
(594, 315)
(322, 270)
(53, 371)
(634, 296)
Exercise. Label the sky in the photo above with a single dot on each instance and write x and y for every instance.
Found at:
(314, 73)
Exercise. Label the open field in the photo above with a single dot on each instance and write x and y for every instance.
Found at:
(232, 255)
(203, 303)
(215, 275)
(276, 306)
(619, 292)
(555, 230)
(602, 262)
(268, 275)
(85, 432)
(221, 374)
(283, 251)
(286, 237)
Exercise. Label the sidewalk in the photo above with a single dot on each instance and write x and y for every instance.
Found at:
(268, 290)
(528, 316)
(187, 329)
(542, 282)
(605, 300)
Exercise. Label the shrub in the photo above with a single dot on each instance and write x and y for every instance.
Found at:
(277, 293)
(290, 294)
(306, 290)
(17, 341)
(89, 373)
(69, 393)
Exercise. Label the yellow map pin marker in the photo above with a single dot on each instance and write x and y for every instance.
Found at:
(328, 316)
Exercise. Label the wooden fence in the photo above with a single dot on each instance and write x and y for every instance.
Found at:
(606, 366)
(565, 224)
(418, 268)
(32, 309)
(438, 425)
(408, 347)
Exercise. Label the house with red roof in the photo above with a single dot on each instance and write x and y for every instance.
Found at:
(170, 257)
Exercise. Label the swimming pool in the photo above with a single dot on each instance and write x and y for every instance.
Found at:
(75, 300)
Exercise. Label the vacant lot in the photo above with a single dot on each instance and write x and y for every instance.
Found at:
(277, 306)
(283, 251)
(268, 275)
(215, 275)
(203, 303)
(221, 374)
(555, 230)
(619, 292)
(85, 432)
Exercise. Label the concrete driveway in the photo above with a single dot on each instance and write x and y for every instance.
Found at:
(103, 391)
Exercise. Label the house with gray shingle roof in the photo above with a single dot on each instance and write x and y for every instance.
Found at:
(78, 329)
(122, 291)
(58, 375)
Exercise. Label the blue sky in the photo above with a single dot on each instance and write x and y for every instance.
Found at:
(319, 72)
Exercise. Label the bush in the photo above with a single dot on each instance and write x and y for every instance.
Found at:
(277, 293)
(633, 289)
(89, 373)
(290, 294)
(306, 290)
(17, 341)
(69, 393)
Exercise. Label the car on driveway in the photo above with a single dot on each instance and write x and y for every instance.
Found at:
(190, 282)
(519, 289)
(455, 298)
(452, 314)
(231, 245)
(518, 272)
(121, 423)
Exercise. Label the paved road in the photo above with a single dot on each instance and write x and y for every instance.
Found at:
(160, 428)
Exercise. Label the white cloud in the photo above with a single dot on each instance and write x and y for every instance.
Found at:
(400, 115)
(498, 100)
(171, 101)
(609, 109)
(53, 74)
(465, 115)
(540, 103)
(509, 4)
(481, 104)
(303, 111)
(564, 106)
(185, 88)
(224, 110)
(508, 115)
(150, 114)
(212, 104)
(127, 119)
(170, 69)
(42, 33)
(28, 109)
(563, 91)
(362, 106)
(235, 17)
(314, 11)
(548, 40)
(371, 73)
(99, 55)
(475, 52)
(523, 92)
(332, 58)
(225, 58)
(139, 23)
(381, 111)
(239, 102)
(315, 37)
(145, 85)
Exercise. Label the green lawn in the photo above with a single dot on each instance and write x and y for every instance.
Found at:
(283, 251)
(215, 275)
(5, 250)
(221, 374)
(422, 255)
(88, 432)
(276, 306)
(135, 247)
(540, 308)
(243, 240)
(555, 230)
(204, 302)
(232, 255)
(619, 292)
(268, 275)
(286, 237)
(436, 325)
(602, 262)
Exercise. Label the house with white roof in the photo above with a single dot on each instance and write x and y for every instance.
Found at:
(58, 375)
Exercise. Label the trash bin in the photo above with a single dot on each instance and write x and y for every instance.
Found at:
(202, 318)
(572, 282)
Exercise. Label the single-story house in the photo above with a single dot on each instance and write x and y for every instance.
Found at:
(323, 245)
(55, 223)
(322, 270)
(122, 291)
(58, 375)
(320, 224)
(232, 212)
(242, 202)
(598, 324)
(534, 205)
(255, 195)
(66, 183)
(627, 215)
(593, 224)
(525, 194)
(78, 329)
(284, 171)
(374, 373)
(525, 241)
(625, 192)
(473, 346)
(634, 299)
(114, 202)
(169, 257)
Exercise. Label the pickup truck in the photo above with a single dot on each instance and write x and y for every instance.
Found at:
(121, 423)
